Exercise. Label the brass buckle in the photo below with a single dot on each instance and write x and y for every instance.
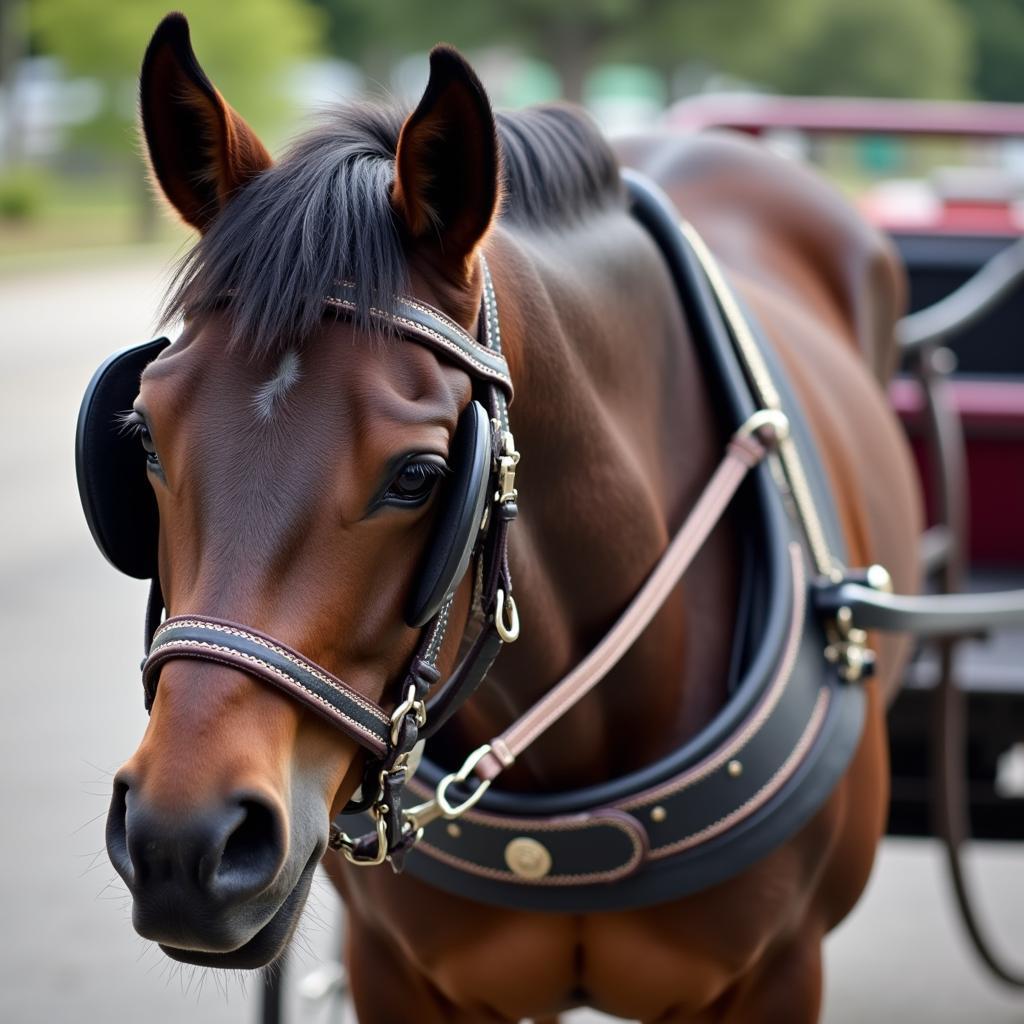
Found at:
(507, 463)
(848, 648)
(441, 795)
(398, 715)
(344, 843)
(776, 419)
(508, 631)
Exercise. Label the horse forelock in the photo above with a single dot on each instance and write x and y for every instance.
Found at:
(323, 214)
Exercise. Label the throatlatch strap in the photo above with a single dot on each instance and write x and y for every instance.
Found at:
(248, 650)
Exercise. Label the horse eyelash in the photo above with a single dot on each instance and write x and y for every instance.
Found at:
(428, 468)
(130, 423)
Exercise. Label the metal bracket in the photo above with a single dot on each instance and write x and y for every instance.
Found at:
(507, 463)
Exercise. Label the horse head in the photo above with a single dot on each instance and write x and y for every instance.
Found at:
(300, 463)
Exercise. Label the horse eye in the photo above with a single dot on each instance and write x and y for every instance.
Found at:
(415, 481)
(146, 439)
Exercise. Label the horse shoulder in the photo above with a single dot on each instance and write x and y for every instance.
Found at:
(777, 221)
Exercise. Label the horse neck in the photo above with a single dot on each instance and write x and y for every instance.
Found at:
(617, 439)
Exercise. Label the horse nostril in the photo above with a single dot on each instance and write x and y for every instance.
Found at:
(117, 833)
(252, 854)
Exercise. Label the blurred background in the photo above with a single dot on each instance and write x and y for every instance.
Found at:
(70, 172)
(910, 106)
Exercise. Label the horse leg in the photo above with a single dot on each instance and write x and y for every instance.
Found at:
(387, 988)
(786, 990)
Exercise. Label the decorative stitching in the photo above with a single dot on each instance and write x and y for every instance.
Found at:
(412, 303)
(525, 825)
(764, 794)
(436, 314)
(173, 647)
(754, 723)
(336, 684)
(440, 629)
(446, 343)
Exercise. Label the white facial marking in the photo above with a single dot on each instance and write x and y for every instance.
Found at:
(269, 396)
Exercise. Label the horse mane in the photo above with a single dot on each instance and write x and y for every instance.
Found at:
(323, 214)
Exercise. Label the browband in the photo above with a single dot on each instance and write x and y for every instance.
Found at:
(429, 326)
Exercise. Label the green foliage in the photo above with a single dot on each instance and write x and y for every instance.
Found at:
(906, 48)
(912, 48)
(22, 194)
(998, 27)
(243, 45)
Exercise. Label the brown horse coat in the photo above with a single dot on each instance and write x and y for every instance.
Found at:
(264, 523)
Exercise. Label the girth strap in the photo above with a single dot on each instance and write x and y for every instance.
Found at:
(259, 655)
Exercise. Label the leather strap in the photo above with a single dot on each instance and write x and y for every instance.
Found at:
(259, 655)
(744, 452)
(464, 680)
(419, 322)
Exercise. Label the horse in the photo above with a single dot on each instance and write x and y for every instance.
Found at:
(299, 461)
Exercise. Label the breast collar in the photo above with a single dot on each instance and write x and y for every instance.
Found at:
(773, 754)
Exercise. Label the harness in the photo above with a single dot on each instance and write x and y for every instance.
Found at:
(740, 788)
(772, 755)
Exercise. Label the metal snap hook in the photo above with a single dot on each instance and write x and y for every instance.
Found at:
(508, 631)
(448, 810)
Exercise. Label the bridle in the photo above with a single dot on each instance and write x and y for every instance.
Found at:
(389, 737)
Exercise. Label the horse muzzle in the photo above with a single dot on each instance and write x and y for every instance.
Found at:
(222, 884)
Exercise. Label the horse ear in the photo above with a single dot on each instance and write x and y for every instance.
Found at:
(201, 151)
(446, 180)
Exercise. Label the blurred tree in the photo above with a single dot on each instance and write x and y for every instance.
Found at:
(998, 27)
(12, 49)
(745, 39)
(243, 44)
(905, 48)
(571, 35)
(866, 47)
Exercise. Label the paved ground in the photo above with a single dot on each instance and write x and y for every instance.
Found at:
(73, 710)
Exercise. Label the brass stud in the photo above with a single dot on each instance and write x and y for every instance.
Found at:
(658, 813)
(735, 769)
(453, 830)
(527, 858)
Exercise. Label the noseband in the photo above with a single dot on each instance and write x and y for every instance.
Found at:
(391, 736)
